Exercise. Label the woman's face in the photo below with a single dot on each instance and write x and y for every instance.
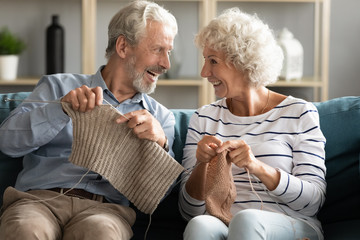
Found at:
(225, 78)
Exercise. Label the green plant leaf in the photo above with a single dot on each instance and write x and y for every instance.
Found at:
(10, 44)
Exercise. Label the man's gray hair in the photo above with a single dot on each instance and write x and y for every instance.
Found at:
(131, 22)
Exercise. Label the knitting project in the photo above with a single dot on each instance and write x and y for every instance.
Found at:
(140, 169)
(220, 191)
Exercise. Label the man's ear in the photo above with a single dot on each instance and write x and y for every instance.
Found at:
(121, 46)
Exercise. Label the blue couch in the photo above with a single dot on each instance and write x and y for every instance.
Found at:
(340, 123)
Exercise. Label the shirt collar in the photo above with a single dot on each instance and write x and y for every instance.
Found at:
(97, 79)
(138, 98)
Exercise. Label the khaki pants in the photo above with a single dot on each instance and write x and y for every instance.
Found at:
(42, 214)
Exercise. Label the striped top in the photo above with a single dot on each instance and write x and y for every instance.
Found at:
(288, 138)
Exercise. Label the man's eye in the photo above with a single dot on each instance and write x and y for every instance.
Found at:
(157, 50)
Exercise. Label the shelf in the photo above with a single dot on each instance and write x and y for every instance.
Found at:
(304, 82)
(272, 1)
(20, 82)
(192, 15)
(207, 11)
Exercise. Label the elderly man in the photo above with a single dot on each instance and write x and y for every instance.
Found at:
(140, 39)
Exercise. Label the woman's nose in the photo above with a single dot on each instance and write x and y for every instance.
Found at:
(205, 71)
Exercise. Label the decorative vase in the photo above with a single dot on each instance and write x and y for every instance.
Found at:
(8, 67)
(293, 56)
(55, 47)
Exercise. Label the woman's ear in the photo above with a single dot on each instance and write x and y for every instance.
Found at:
(121, 46)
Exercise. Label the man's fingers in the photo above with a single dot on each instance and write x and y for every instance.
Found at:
(84, 98)
(98, 95)
(89, 103)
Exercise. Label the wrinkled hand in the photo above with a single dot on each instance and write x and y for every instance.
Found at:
(240, 154)
(144, 125)
(206, 148)
(84, 99)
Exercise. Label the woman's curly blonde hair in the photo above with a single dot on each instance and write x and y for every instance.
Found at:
(248, 44)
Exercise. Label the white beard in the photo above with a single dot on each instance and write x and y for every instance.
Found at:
(138, 78)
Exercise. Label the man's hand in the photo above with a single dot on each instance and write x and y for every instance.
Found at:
(84, 99)
(144, 125)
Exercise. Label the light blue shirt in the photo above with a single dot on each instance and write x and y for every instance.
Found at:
(42, 133)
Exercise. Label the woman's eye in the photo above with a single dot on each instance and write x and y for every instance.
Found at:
(212, 61)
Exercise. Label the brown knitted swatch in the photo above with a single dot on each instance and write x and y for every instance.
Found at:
(220, 191)
(140, 169)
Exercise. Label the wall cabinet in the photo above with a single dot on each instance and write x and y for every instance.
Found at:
(193, 15)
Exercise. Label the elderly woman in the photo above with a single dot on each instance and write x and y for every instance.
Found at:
(256, 156)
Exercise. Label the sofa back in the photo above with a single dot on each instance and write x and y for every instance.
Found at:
(340, 123)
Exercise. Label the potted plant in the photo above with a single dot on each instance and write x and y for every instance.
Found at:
(10, 49)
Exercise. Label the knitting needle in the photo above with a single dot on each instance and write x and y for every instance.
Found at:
(29, 101)
(55, 101)
(115, 108)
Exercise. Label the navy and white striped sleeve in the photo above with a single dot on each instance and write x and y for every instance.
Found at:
(304, 188)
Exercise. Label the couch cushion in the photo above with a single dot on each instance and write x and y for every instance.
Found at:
(182, 117)
(348, 230)
(166, 220)
(7, 106)
(9, 167)
(337, 123)
(340, 123)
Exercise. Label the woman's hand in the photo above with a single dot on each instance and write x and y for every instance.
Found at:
(206, 148)
(241, 155)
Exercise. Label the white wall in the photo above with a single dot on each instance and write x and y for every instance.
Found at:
(344, 63)
(29, 20)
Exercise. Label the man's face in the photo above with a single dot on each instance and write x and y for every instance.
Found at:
(150, 57)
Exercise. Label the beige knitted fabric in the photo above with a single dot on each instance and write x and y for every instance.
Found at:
(220, 191)
(140, 169)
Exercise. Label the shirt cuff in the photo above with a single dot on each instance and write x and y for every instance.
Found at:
(283, 183)
(56, 116)
(192, 200)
